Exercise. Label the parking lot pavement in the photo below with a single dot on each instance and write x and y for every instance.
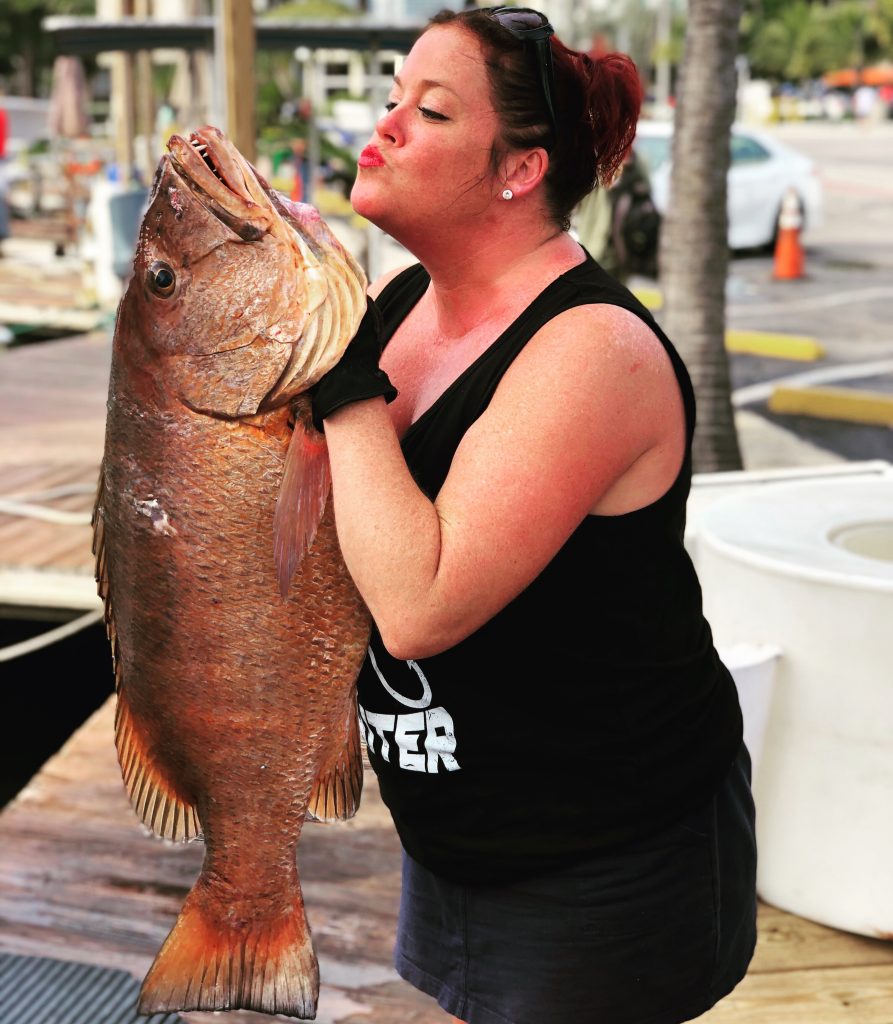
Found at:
(845, 307)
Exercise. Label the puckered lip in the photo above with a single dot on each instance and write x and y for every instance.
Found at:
(371, 157)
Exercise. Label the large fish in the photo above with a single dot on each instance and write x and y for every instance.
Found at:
(237, 634)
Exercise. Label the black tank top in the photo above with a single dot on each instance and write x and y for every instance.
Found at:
(593, 708)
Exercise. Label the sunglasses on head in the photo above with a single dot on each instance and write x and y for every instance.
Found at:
(534, 30)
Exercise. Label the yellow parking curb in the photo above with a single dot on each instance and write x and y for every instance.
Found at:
(872, 407)
(779, 346)
(333, 204)
(651, 298)
(755, 343)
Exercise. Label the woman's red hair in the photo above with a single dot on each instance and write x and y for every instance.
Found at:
(597, 103)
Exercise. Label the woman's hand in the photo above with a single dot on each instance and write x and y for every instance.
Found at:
(356, 376)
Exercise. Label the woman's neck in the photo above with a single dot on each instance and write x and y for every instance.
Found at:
(494, 277)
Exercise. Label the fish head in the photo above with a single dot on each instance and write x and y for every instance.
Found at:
(238, 300)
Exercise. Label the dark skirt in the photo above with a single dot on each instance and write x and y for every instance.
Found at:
(653, 933)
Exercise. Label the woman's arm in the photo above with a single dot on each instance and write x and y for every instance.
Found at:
(591, 398)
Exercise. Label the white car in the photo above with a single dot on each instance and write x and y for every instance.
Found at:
(761, 172)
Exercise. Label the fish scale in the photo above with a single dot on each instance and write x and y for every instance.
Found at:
(236, 631)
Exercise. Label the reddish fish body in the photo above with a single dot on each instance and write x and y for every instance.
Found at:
(236, 715)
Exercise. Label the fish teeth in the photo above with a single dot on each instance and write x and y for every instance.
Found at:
(202, 149)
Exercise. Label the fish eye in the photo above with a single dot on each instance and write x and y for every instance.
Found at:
(161, 279)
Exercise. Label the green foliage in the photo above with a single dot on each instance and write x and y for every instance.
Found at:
(805, 39)
(879, 29)
(14, 8)
(770, 49)
(269, 103)
(328, 10)
(26, 52)
(831, 39)
(275, 141)
(163, 76)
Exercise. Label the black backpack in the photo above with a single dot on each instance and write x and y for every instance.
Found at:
(636, 224)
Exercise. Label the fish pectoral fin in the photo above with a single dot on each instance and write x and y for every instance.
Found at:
(339, 785)
(157, 802)
(302, 498)
(210, 961)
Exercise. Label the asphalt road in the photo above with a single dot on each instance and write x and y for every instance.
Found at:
(844, 300)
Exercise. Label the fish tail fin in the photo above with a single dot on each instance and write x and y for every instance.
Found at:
(210, 961)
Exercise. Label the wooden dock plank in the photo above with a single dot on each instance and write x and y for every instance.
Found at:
(53, 401)
(81, 879)
(791, 943)
(30, 545)
(841, 995)
(52, 432)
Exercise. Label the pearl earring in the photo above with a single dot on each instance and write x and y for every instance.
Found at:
(508, 194)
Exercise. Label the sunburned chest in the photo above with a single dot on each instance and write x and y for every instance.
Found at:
(422, 364)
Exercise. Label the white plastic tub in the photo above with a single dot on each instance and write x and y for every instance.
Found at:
(806, 567)
(753, 669)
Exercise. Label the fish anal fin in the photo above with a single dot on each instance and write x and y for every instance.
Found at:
(339, 784)
(157, 802)
(302, 498)
(210, 961)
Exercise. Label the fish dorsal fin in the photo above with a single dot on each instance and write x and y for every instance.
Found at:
(97, 521)
(101, 572)
(339, 784)
(157, 802)
(302, 498)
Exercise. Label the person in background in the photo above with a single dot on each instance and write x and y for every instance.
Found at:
(865, 100)
(592, 224)
(300, 191)
(620, 226)
(510, 433)
(635, 221)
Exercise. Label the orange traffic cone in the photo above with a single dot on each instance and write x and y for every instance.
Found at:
(788, 250)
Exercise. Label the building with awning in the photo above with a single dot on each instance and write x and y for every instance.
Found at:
(85, 35)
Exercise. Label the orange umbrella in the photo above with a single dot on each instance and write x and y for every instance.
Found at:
(849, 78)
(879, 74)
(844, 78)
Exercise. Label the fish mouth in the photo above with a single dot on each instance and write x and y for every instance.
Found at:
(225, 183)
(321, 300)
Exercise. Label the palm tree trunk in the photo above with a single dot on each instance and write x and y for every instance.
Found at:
(694, 252)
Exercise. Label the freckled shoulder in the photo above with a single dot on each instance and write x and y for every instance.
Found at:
(598, 335)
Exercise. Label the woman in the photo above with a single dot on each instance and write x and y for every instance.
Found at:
(555, 737)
